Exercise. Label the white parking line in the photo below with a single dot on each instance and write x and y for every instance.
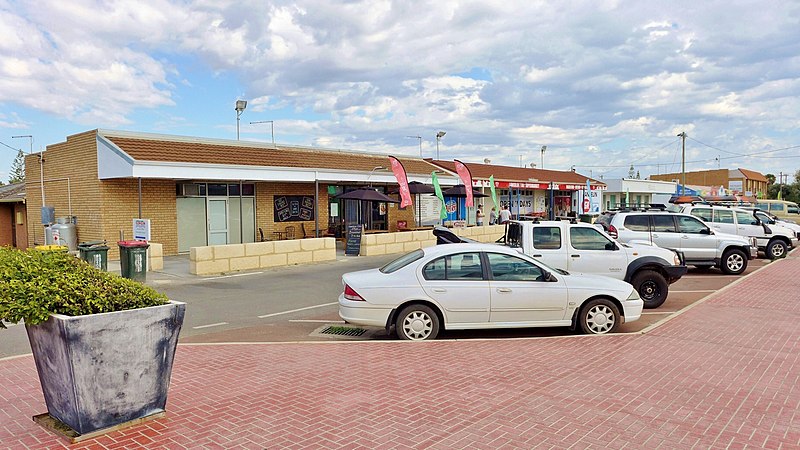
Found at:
(658, 312)
(296, 310)
(210, 325)
(701, 291)
(232, 276)
(315, 321)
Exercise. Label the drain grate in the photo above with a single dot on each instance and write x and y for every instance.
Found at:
(343, 331)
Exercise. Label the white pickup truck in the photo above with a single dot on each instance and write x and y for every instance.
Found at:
(581, 247)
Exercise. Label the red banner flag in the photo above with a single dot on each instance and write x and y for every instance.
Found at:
(466, 177)
(402, 180)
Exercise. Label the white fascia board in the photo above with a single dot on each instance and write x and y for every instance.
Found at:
(112, 161)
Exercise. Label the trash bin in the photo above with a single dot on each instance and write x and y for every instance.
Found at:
(133, 259)
(95, 253)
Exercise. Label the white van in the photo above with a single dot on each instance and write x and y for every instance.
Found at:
(780, 208)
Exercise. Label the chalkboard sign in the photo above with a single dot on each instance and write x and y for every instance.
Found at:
(293, 208)
(353, 246)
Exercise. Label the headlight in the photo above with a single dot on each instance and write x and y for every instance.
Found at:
(676, 261)
(633, 295)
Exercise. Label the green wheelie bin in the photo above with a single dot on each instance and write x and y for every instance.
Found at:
(95, 253)
(133, 259)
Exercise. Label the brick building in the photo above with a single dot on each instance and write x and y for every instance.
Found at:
(199, 192)
(741, 181)
(13, 216)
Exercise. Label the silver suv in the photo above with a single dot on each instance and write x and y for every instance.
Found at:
(701, 246)
(774, 240)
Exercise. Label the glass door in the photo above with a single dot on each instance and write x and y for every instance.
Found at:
(217, 221)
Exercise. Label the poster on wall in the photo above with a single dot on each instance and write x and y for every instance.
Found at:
(293, 208)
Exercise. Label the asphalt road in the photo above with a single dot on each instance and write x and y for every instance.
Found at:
(294, 303)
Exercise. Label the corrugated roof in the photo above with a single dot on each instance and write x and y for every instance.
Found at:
(163, 149)
(12, 192)
(519, 174)
(753, 175)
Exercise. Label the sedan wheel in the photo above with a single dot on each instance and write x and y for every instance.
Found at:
(599, 316)
(417, 323)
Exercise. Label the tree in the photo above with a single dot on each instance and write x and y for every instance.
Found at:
(770, 179)
(17, 173)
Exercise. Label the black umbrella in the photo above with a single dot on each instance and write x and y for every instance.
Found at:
(367, 194)
(461, 191)
(415, 187)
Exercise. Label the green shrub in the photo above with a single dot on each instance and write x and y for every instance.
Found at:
(34, 284)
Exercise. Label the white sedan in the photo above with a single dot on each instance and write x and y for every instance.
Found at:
(472, 286)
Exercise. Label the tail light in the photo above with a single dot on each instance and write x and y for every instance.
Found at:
(612, 231)
(351, 294)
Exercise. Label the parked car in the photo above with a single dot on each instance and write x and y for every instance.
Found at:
(472, 286)
(774, 240)
(581, 247)
(781, 208)
(701, 246)
(770, 219)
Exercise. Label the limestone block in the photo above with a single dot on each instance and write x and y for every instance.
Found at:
(312, 244)
(368, 239)
(289, 246)
(259, 248)
(209, 267)
(413, 245)
(201, 254)
(330, 242)
(385, 238)
(244, 263)
(394, 248)
(228, 251)
(156, 250)
(373, 250)
(423, 235)
(299, 257)
(326, 254)
(428, 243)
(156, 263)
(404, 236)
(278, 259)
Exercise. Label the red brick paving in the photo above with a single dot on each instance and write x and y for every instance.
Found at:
(725, 374)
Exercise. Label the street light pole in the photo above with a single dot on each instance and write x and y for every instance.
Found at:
(682, 135)
(544, 147)
(240, 106)
(420, 143)
(271, 128)
(439, 137)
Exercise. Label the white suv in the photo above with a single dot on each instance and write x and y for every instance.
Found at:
(701, 246)
(774, 240)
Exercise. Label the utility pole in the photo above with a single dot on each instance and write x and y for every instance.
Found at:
(271, 128)
(682, 135)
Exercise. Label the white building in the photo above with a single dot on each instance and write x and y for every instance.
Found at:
(636, 192)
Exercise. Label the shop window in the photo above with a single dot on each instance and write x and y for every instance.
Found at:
(217, 190)
(233, 190)
(249, 189)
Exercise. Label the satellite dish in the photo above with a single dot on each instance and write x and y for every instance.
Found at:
(487, 160)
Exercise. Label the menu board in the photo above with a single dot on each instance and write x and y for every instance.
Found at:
(353, 244)
(293, 208)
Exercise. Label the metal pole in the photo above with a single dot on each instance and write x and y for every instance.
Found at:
(241, 215)
(683, 162)
(316, 205)
(140, 197)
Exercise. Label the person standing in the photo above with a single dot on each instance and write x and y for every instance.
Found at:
(479, 216)
(505, 215)
(492, 216)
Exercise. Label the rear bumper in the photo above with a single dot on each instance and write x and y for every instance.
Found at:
(363, 313)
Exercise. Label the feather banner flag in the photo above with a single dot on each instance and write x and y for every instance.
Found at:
(466, 176)
(438, 190)
(494, 193)
(402, 180)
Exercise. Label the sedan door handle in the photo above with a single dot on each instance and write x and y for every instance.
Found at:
(439, 290)
(575, 256)
(503, 289)
(537, 256)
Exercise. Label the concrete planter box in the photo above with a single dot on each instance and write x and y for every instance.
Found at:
(102, 370)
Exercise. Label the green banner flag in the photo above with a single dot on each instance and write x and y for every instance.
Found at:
(438, 189)
(494, 193)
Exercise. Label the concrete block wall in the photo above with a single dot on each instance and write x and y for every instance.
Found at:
(217, 259)
(155, 256)
(406, 241)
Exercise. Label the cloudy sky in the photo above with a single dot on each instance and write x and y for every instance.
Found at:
(603, 84)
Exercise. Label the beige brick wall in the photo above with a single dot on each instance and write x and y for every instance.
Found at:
(217, 259)
(406, 241)
(75, 159)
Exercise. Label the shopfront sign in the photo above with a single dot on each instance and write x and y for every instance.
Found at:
(534, 185)
(353, 244)
(141, 229)
(293, 208)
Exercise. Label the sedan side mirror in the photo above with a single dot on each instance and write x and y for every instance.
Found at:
(706, 231)
(548, 276)
(611, 246)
